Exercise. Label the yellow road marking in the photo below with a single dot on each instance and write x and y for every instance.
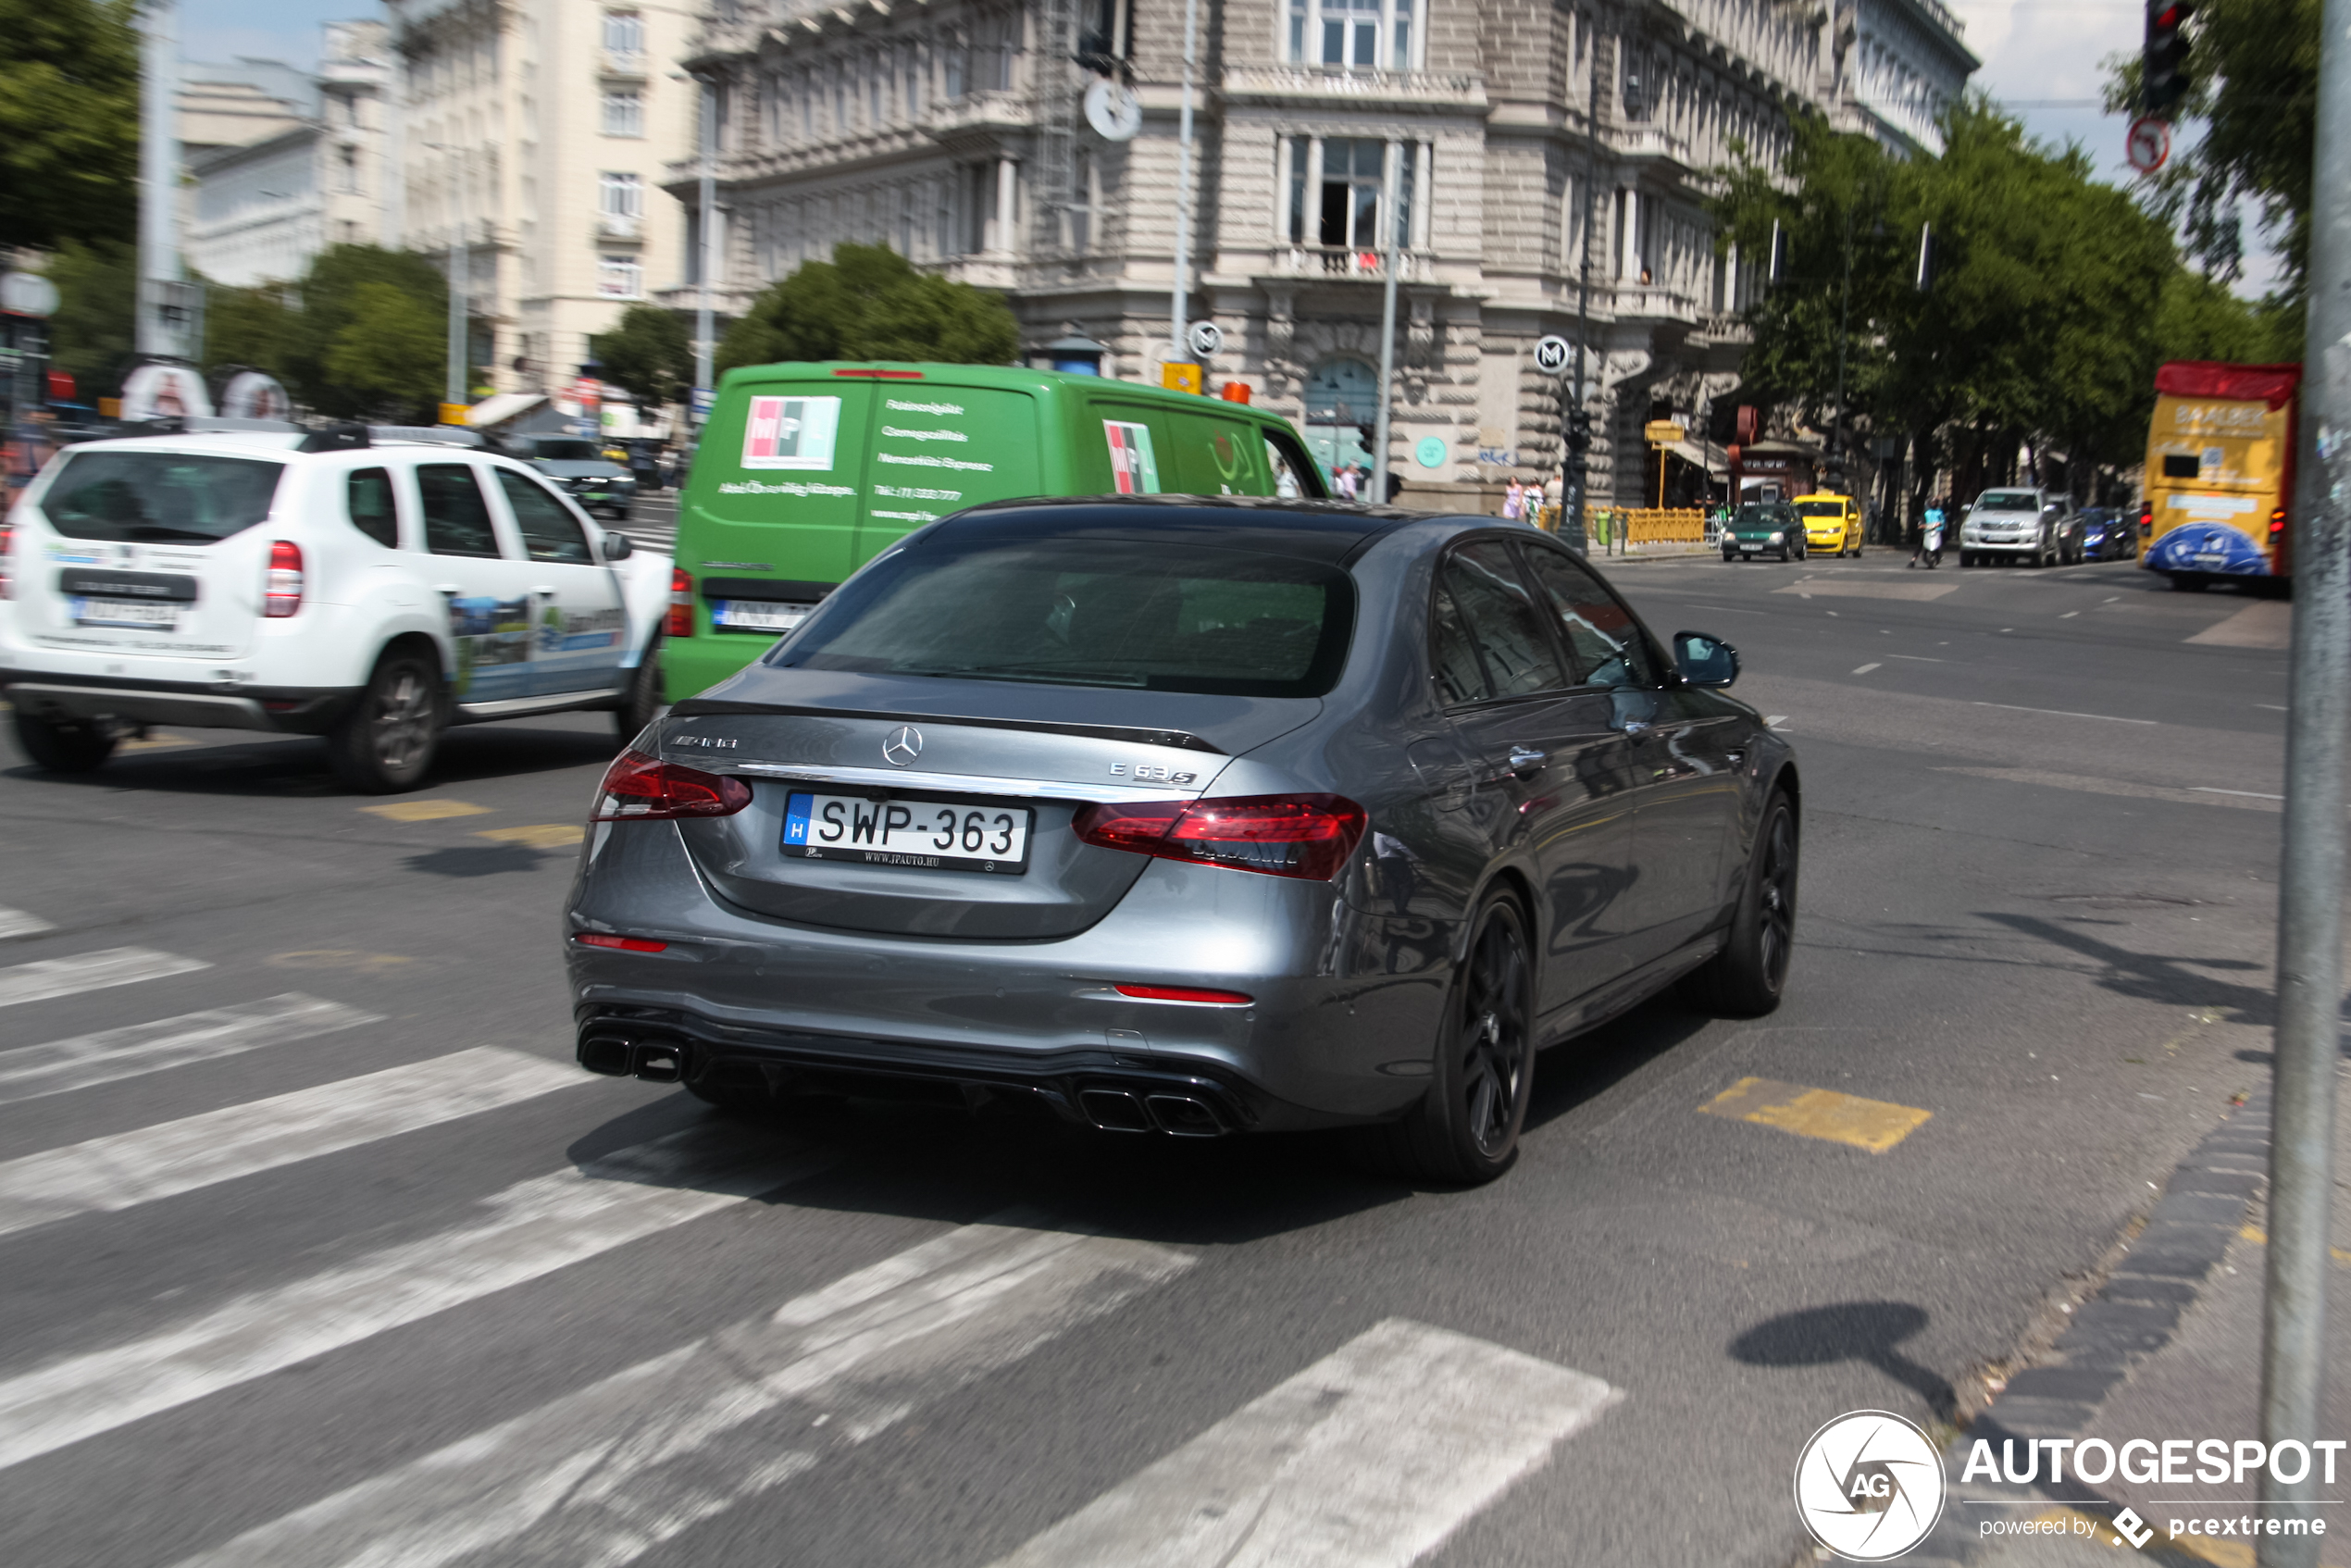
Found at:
(544, 836)
(1875, 1125)
(156, 742)
(2260, 1237)
(424, 810)
(337, 958)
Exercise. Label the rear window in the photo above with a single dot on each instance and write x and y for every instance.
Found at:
(1157, 617)
(159, 496)
(1820, 508)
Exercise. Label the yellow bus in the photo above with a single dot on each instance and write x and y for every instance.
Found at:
(2220, 474)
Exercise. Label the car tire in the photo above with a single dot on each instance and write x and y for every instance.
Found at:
(58, 746)
(2188, 582)
(1746, 979)
(386, 743)
(640, 701)
(1465, 1129)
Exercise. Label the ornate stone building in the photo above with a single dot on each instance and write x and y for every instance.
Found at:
(1534, 146)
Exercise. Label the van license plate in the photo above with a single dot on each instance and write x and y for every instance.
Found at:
(925, 835)
(146, 615)
(756, 614)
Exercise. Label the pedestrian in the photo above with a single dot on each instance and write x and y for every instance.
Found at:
(1513, 502)
(1344, 480)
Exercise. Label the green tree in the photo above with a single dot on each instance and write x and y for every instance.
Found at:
(68, 121)
(92, 334)
(389, 355)
(2256, 64)
(647, 355)
(331, 291)
(869, 303)
(255, 327)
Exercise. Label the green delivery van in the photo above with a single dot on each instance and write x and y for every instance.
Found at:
(804, 472)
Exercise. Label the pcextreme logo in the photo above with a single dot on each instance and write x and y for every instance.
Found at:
(1868, 1486)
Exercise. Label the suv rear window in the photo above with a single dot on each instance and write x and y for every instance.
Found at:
(159, 496)
(1156, 617)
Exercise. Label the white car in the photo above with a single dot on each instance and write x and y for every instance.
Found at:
(330, 583)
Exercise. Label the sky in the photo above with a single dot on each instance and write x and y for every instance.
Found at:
(2041, 57)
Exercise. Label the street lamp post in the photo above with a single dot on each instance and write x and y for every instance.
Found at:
(1177, 303)
(460, 267)
(1389, 221)
(704, 349)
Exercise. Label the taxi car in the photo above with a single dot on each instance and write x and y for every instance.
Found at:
(1831, 523)
(368, 587)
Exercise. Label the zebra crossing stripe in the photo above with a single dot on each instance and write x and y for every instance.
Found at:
(32, 1071)
(599, 1476)
(17, 922)
(130, 1168)
(529, 1229)
(89, 972)
(1368, 1458)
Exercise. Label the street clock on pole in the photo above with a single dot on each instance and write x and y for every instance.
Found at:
(1113, 110)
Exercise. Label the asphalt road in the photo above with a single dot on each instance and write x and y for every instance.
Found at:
(314, 1250)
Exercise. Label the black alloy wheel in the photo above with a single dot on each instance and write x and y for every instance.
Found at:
(1465, 1129)
(387, 741)
(76, 746)
(1746, 979)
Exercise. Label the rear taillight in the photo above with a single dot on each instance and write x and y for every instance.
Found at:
(281, 595)
(637, 787)
(620, 944)
(681, 603)
(7, 540)
(1308, 836)
(2277, 520)
(1186, 993)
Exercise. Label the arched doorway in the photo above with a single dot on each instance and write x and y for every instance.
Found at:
(1342, 400)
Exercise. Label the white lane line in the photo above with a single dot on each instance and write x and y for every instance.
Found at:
(1866, 668)
(1917, 658)
(89, 972)
(2069, 615)
(131, 1168)
(17, 922)
(2274, 708)
(1773, 721)
(2061, 713)
(30, 1072)
(532, 1228)
(2249, 794)
(599, 1476)
(1368, 1458)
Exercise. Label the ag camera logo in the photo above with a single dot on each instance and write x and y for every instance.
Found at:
(1868, 1486)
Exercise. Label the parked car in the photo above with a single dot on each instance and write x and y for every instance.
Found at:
(2109, 533)
(1764, 528)
(1189, 815)
(2023, 525)
(1832, 524)
(600, 485)
(370, 590)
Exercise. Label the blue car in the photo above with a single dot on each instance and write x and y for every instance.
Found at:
(2108, 534)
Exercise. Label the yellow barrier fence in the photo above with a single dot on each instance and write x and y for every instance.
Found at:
(1634, 525)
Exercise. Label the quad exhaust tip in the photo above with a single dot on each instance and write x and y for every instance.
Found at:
(1179, 1116)
(655, 1060)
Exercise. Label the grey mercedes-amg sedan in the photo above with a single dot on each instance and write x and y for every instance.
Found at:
(1192, 816)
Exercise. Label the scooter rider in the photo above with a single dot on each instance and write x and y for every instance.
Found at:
(1930, 544)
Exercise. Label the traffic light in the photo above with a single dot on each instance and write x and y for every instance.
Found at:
(2164, 62)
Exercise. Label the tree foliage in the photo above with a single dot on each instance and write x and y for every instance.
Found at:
(2256, 64)
(869, 303)
(648, 354)
(2043, 321)
(390, 355)
(342, 282)
(68, 121)
(254, 327)
(90, 335)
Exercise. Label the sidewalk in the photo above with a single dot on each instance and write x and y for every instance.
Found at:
(2169, 1347)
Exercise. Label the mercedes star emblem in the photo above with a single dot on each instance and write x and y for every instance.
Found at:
(906, 743)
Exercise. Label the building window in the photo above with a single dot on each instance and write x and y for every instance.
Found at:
(623, 196)
(1353, 34)
(1335, 200)
(624, 34)
(619, 278)
(624, 113)
(347, 171)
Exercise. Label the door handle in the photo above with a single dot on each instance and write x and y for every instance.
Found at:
(1525, 762)
(450, 589)
(544, 593)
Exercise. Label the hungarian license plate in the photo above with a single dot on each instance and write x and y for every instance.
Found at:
(756, 614)
(146, 615)
(926, 835)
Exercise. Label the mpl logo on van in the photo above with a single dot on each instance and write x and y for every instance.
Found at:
(791, 432)
(1868, 1486)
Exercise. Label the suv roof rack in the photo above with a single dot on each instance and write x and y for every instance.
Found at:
(200, 424)
(335, 438)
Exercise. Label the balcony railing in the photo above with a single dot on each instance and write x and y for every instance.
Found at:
(1338, 261)
(1327, 83)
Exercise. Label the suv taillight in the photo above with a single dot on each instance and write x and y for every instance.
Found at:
(637, 788)
(7, 540)
(282, 596)
(681, 603)
(1306, 836)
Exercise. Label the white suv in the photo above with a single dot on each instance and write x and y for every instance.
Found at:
(369, 591)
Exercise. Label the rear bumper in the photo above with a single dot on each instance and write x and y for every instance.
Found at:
(202, 705)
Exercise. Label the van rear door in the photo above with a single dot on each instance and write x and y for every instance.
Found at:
(937, 449)
(775, 493)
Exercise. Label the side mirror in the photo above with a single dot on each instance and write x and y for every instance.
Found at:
(619, 547)
(1707, 662)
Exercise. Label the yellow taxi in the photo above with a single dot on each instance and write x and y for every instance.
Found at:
(1831, 523)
